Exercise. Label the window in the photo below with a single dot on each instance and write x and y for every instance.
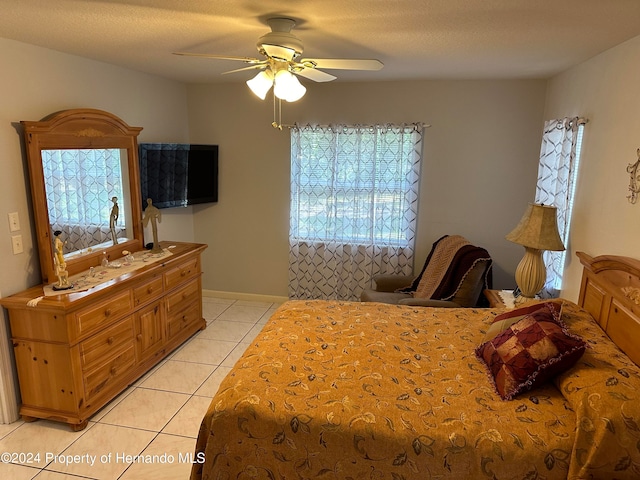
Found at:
(354, 197)
(557, 174)
(355, 185)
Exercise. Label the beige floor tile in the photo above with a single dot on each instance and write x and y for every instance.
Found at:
(170, 456)
(7, 428)
(223, 301)
(106, 451)
(48, 475)
(17, 472)
(252, 303)
(150, 372)
(243, 313)
(267, 315)
(211, 385)
(211, 310)
(202, 350)
(235, 355)
(180, 377)
(253, 333)
(40, 438)
(145, 408)
(226, 330)
(109, 406)
(187, 421)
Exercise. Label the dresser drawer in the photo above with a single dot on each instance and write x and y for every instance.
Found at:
(183, 297)
(108, 373)
(183, 319)
(89, 319)
(181, 273)
(106, 344)
(147, 291)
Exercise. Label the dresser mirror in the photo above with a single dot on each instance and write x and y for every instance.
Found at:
(85, 187)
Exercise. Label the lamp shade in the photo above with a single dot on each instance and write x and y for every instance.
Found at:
(261, 83)
(538, 229)
(288, 87)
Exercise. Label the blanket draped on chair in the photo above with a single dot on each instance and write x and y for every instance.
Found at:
(450, 259)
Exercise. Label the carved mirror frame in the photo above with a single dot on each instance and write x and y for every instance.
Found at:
(80, 129)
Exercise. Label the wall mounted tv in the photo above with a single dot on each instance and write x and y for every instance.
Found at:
(177, 175)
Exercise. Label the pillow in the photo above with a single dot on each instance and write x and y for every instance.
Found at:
(532, 350)
(505, 320)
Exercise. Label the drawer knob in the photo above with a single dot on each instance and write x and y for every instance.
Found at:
(185, 318)
(114, 370)
(139, 337)
(150, 290)
(107, 312)
(110, 340)
(183, 273)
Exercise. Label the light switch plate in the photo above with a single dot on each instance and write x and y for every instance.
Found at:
(14, 221)
(16, 241)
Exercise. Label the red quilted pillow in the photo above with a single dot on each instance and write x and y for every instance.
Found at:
(505, 320)
(529, 352)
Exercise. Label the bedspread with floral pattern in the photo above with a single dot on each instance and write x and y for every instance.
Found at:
(603, 388)
(341, 390)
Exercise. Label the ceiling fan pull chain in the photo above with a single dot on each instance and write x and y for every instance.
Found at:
(274, 124)
(277, 119)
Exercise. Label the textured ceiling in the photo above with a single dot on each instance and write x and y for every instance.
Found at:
(415, 39)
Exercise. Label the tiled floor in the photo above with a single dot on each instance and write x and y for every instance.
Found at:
(157, 418)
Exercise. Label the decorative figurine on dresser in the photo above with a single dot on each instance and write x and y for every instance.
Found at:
(113, 220)
(78, 348)
(152, 215)
(60, 264)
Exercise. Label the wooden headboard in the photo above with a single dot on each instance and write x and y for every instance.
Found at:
(610, 292)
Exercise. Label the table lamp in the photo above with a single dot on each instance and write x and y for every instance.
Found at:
(537, 231)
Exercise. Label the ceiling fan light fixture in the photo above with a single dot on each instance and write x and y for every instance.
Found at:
(296, 90)
(261, 83)
(282, 65)
(288, 87)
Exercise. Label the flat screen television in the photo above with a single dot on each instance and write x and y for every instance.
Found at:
(177, 174)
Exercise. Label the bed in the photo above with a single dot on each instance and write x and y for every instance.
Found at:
(348, 390)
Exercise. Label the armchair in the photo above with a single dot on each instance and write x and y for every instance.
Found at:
(454, 275)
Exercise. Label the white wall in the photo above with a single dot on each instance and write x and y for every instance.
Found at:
(36, 82)
(606, 90)
(479, 171)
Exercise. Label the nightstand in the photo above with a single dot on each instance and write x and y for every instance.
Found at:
(500, 298)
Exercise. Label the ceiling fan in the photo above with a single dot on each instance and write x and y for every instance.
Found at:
(282, 62)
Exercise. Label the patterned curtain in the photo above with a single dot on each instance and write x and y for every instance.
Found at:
(73, 179)
(354, 200)
(557, 172)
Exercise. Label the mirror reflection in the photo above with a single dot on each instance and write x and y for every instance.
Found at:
(85, 184)
(86, 198)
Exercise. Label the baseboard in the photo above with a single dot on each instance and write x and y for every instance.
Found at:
(250, 297)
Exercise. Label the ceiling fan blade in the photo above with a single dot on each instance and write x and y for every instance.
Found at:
(219, 57)
(250, 67)
(345, 63)
(315, 75)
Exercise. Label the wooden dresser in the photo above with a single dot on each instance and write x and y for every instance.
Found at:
(75, 352)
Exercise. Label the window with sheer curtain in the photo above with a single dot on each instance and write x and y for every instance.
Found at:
(75, 181)
(354, 198)
(557, 174)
